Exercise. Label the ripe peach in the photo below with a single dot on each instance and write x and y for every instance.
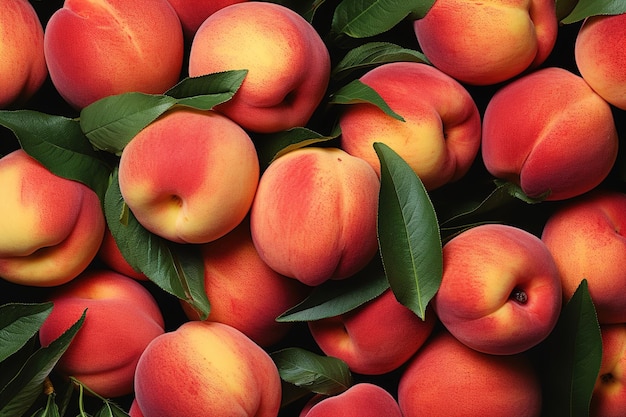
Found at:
(609, 393)
(585, 237)
(488, 42)
(51, 227)
(22, 64)
(500, 292)
(122, 318)
(363, 399)
(100, 48)
(314, 214)
(287, 61)
(440, 136)
(206, 368)
(447, 377)
(190, 176)
(600, 56)
(375, 338)
(243, 291)
(550, 133)
(193, 13)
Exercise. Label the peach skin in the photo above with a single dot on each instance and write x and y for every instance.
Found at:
(487, 42)
(440, 135)
(190, 176)
(585, 237)
(376, 338)
(95, 49)
(550, 133)
(206, 368)
(500, 291)
(122, 318)
(192, 13)
(447, 377)
(287, 61)
(244, 292)
(609, 394)
(23, 67)
(363, 399)
(51, 226)
(600, 56)
(314, 215)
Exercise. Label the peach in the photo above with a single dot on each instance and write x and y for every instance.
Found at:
(376, 338)
(440, 135)
(95, 49)
(109, 254)
(550, 133)
(447, 377)
(22, 64)
(134, 410)
(206, 369)
(190, 176)
(585, 237)
(243, 291)
(500, 291)
(314, 214)
(193, 13)
(487, 42)
(287, 61)
(609, 393)
(363, 399)
(122, 318)
(600, 56)
(51, 226)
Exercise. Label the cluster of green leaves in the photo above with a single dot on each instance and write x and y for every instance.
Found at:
(410, 234)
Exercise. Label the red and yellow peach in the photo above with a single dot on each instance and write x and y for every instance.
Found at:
(363, 399)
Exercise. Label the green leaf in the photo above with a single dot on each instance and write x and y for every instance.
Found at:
(574, 356)
(59, 144)
(366, 18)
(564, 8)
(110, 409)
(110, 123)
(335, 297)
(176, 268)
(50, 410)
(358, 92)
(207, 91)
(18, 323)
(586, 8)
(316, 373)
(375, 53)
(408, 233)
(20, 393)
(273, 145)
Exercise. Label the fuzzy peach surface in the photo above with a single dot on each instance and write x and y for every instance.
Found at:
(600, 56)
(487, 42)
(190, 176)
(440, 135)
(122, 318)
(360, 400)
(244, 291)
(314, 215)
(100, 48)
(287, 61)
(23, 67)
(482, 267)
(550, 133)
(51, 227)
(206, 368)
(376, 338)
(447, 377)
(609, 393)
(586, 239)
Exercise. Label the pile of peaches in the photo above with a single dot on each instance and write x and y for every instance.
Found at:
(312, 208)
